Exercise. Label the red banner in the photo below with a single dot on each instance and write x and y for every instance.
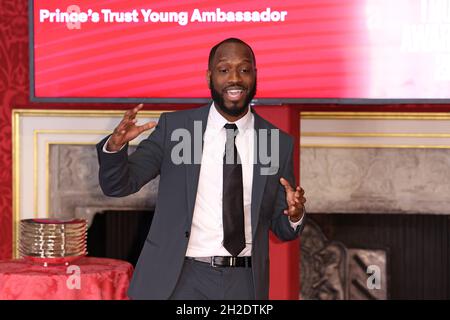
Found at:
(374, 49)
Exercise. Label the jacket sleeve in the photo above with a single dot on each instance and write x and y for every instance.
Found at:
(280, 222)
(121, 175)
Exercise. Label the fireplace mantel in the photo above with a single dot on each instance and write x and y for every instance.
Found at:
(376, 162)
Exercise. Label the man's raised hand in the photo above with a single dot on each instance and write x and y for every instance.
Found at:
(127, 129)
(295, 200)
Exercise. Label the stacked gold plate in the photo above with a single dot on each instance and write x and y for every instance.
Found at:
(52, 239)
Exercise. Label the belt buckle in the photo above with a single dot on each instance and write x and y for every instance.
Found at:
(212, 263)
(232, 261)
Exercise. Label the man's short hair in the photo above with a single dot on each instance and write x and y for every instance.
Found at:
(229, 40)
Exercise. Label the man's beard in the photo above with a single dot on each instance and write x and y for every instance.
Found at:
(234, 111)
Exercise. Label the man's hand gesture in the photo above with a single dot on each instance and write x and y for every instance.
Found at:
(295, 201)
(127, 130)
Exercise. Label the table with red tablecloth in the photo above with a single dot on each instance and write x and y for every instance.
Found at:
(87, 278)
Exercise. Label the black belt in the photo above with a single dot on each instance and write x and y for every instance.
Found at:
(245, 262)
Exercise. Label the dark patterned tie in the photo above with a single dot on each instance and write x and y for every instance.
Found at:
(233, 195)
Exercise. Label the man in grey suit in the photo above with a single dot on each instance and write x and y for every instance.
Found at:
(219, 191)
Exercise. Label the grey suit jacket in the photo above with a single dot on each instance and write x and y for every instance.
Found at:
(162, 256)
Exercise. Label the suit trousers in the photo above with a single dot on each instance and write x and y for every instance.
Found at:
(201, 281)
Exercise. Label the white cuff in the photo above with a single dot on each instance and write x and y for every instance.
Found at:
(106, 143)
(294, 225)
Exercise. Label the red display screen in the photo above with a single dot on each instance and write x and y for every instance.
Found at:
(305, 49)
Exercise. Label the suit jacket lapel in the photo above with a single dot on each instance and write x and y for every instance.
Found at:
(259, 181)
(197, 117)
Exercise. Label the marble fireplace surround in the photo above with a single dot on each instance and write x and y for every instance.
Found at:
(55, 165)
(367, 163)
(350, 163)
(376, 163)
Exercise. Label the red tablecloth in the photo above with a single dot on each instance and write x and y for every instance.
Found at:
(87, 278)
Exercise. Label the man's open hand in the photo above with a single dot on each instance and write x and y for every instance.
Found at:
(295, 200)
(127, 130)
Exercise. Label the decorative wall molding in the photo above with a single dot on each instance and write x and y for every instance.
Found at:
(375, 130)
(34, 134)
(364, 165)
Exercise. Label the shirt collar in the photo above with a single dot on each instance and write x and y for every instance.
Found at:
(218, 121)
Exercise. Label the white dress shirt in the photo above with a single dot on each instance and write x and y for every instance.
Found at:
(207, 228)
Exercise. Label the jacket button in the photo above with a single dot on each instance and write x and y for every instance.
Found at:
(187, 234)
